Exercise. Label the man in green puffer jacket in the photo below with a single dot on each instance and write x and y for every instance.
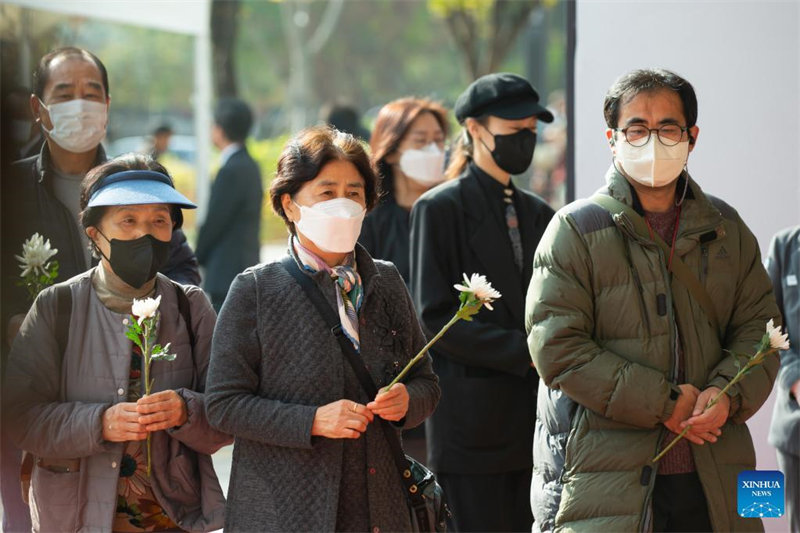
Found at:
(629, 354)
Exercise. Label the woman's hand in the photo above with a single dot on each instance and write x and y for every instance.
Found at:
(121, 423)
(391, 405)
(162, 410)
(343, 419)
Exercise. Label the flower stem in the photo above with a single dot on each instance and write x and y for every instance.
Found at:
(739, 375)
(422, 352)
(146, 365)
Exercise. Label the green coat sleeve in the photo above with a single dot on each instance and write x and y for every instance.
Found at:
(559, 321)
(755, 306)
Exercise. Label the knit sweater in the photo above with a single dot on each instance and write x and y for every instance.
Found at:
(274, 362)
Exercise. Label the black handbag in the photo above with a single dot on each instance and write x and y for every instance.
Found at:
(426, 500)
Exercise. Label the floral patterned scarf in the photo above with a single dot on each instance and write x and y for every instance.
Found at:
(350, 293)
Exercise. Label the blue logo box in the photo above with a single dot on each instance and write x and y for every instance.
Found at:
(760, 494)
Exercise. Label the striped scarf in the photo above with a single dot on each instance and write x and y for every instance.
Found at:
(350, 293)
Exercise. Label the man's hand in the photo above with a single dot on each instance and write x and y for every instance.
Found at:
(796, 391)
(683, 410)
(708, 422)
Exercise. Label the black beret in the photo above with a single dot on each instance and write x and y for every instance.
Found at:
(503, 95)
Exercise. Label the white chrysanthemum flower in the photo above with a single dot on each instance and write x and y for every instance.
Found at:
(478, 285)
(145, 308)
(36, 252)
(777, 340)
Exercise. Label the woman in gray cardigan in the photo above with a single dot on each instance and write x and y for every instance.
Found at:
(73, 391)
(309, 453)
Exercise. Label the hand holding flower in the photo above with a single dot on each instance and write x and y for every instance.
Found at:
(141, 331)
(683, 409)
(475, 293)
(390, 404)
(712, 418)
(162, 410)
(121, 423)
(771, 342)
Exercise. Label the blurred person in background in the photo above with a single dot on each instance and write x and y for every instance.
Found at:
(344, 117)
(41, 194)
(311, 453)
(74, 395)
(407, 147)
(480, 437)
(21, 136)
(783, 266)
(228, 242)
(159, 141)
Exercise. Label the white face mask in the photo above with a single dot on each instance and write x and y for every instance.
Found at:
(333, 225)
(78, 125)
(425, 166)
(653, 164)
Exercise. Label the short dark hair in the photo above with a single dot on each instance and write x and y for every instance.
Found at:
(163, 129)
(90, 216)
(306, 153)
(42, 72)
(638, 81)
(234, 117)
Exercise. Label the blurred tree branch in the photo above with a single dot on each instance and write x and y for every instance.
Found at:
(224, 26)
(484, 30)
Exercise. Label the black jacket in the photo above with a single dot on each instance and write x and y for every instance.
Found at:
(385, 235)
(228, 239)
(29, 205)
(485, 419)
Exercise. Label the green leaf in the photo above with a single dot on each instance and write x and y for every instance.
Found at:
(163, 356)
(135, 338)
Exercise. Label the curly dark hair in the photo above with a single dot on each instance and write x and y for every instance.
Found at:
(306, 153)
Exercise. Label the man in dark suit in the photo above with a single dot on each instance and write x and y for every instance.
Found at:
(228, 239)
(480, 436)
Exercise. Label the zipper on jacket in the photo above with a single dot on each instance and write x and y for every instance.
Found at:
(703, 263)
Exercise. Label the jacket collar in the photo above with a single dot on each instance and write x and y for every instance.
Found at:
(44, 164)
(698, 215)
(488, 242)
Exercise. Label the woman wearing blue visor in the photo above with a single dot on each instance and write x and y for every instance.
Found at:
(73, 387)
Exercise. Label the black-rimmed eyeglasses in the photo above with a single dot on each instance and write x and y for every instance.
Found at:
(669, 134)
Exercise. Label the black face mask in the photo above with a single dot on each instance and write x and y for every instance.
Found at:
(138, 260)
(514, 152)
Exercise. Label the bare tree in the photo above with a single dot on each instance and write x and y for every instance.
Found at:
(301, 49)
(484, 32)
(224, 25)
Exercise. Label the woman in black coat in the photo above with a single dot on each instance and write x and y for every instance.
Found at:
(480, 438)
(407, 146)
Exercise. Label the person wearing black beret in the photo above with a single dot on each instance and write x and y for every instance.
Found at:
(480, 437)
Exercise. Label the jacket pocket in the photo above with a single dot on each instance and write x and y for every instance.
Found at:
(55, 497)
